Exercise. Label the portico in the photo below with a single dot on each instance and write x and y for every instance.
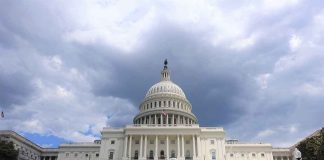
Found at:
(161, 143)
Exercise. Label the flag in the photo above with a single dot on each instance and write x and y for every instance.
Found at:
(2, 114)
(164, 113)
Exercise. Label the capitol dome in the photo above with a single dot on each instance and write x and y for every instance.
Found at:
(165, 103)
(165, 87)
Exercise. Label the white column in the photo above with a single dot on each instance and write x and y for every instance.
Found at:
(141, 147)
(178, 150)
(193, 146)
(161, 119)
(172, 119)
(156, 148)
(145, 146)
(167, 147)
(155, 119)
(167, 119)
(125, 146)
(178, 119)
(130, 147)
(182, 146)
(198, 146)
(150, 119)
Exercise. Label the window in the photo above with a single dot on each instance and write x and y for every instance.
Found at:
(162, 154)
(161, 141)
(242, 155)
(187, 142)
(67, 154)
(151, 141)
(212, 141)
(97, 154)
(111, 155)
(232, 155)
(253, 154)
(187, 154)
(262, 154)
(151, 154)
(86, 155)
(213, 154)
(136, 154)
(112, 142)
(173, 154)
(136, 141)
(75, 154)
(172, 141)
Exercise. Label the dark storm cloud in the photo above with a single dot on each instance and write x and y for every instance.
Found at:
(212, 82)
(15, 88)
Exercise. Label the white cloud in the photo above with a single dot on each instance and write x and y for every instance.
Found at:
(278, 5)
(63, 104)
(120, 24)
(294, 42)
(263, 79)
(266, 133)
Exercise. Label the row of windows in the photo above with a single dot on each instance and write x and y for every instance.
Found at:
(162, 154)
(253, 155)
(78, 155)
(174, 104)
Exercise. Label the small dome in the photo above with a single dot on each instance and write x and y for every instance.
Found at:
(165, 87)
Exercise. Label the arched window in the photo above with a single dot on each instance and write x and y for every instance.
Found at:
(173, 154)
(188, 154)
(151, 154)
(136, 154)
(162, 154)
(213, 154)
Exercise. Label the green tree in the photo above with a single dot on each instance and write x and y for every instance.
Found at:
(320, 152)
(7, 151)
(312, 148)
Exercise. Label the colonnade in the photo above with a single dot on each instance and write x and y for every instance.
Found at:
(159, 148)
(177, 104)
(168, 119)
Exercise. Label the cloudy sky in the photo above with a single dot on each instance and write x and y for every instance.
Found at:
(70, 68)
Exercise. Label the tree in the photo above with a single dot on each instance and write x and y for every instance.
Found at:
(312, 148)
(7, 151)
(320, 152)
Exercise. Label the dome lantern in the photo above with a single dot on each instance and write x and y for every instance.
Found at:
(165, 73)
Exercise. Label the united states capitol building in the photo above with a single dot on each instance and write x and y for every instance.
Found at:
(165, 128)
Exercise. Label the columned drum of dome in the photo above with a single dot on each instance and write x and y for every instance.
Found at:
(165, 104)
